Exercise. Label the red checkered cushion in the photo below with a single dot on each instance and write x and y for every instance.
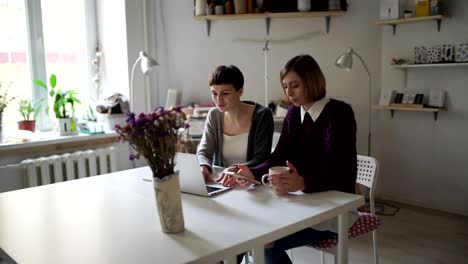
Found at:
(366, 222)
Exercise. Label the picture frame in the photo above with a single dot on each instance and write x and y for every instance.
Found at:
(389, 9)
(387, 97)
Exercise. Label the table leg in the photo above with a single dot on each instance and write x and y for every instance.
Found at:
(343, 238)
(258, 254)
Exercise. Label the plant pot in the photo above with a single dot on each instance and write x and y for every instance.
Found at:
(169, 203)
(27, 125)
(68, 126)
(114, 119)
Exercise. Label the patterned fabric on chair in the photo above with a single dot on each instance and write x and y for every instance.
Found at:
(366, 223)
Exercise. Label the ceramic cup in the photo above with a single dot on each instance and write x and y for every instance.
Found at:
(273, 171)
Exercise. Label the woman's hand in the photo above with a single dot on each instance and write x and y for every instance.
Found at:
(226, 179)
(245, 171)
(206, 174)
(287, 182)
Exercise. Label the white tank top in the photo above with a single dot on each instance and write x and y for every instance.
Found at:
(235, 148)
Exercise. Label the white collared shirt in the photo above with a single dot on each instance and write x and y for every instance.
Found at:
(316, 109)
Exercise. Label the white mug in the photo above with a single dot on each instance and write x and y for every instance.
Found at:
(273, 171)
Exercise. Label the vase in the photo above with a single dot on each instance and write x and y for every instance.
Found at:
(1, 136)
(68, 126)
(303, 5)
(240, 6)
(200, 7)
(169, 203)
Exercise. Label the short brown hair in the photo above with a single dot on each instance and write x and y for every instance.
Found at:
(309, 71)
(227, 75)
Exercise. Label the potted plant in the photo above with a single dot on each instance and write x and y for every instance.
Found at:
(64, 106)
(26, 108)
(155, 136)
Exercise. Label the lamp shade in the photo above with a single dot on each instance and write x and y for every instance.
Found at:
(345, 61)
(147, 63)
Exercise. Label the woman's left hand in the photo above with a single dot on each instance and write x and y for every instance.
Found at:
(228, 180)
(287, 182)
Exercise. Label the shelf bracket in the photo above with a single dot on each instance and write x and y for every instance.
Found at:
(435, 116)
(267, 25)
(327, 23)
(394, 29)
(439, 21)
(392, 112)
(208, 27)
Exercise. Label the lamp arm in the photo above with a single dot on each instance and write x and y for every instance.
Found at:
(132, 75)
(369, 121)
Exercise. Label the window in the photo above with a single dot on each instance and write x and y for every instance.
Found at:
(55, 35)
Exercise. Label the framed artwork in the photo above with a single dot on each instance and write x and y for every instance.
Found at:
(387, 97)
(437, 98)
(406, 99)
(398, 98)
(389, 9)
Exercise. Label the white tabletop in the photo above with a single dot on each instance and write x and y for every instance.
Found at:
(113, 219)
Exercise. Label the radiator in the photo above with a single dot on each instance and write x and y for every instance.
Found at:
(69, 166)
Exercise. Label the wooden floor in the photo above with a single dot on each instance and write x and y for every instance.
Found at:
(414, 236)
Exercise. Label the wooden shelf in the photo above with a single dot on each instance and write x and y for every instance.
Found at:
(395, 22)
(268, 16)
(415, 108)
(461, 64)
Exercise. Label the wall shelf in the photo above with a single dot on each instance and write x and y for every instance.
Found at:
(268, 16)
(392, 109)
(404, 67)
(395, 22)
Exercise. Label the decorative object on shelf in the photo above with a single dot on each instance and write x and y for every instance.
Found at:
(155, 135)
(422, 8)
(200, 7)
(228, 7)
(436, 98)
(219, 10)
(334, 5)
(387, 97)
(26, 108)
(419, 99)
(147, 63)
(250, 6)
(345, 61)
(433, 54)
(436, 7)
(420, 55)
(389, 9)
(303, 5)
(64, 106)
(406, 99)
(259, 6)
(113, 108)
(397, 61)
(447, 53)
(461, 53)
(319, 5)
(240, 6)
(408, 14)
(398, 98)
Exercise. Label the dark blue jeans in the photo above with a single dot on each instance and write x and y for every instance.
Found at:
(277, 254)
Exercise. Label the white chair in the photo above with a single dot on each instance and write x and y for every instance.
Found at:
(367, 168)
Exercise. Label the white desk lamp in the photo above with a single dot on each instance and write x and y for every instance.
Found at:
(147, 63)
(345, 61)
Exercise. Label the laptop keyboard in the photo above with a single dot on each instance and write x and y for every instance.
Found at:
(211, 189)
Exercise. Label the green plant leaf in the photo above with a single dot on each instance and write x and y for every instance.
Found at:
(53, 80)
(40, 83)
(73, 125)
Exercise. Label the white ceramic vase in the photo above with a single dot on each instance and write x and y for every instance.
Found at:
(303, 5)
(169, 203)
(200, 7)
(240, 6)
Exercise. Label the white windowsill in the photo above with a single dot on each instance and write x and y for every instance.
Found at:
(51, 138)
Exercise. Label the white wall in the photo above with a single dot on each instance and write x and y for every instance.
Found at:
(192, 55)
(424, 162)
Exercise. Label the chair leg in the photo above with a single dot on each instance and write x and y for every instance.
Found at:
(322, 257)
(374, 241)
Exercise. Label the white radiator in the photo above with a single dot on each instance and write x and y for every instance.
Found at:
(65, 167)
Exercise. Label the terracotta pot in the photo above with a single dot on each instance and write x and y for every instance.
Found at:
(27, 125)
(169, 203)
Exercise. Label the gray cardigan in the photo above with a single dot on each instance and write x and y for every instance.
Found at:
(210, 150)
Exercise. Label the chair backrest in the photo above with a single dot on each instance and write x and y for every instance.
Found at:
(367, 171)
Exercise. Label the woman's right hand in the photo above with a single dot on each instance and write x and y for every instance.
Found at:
(245, 171)
(206, 174)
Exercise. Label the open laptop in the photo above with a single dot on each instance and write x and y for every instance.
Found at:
(191, 178)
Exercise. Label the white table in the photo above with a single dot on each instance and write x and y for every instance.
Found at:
(113, 219)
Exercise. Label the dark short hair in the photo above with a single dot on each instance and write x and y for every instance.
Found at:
(227, 75)
(309, 71)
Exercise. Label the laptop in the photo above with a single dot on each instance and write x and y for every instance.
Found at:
(191, 178)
